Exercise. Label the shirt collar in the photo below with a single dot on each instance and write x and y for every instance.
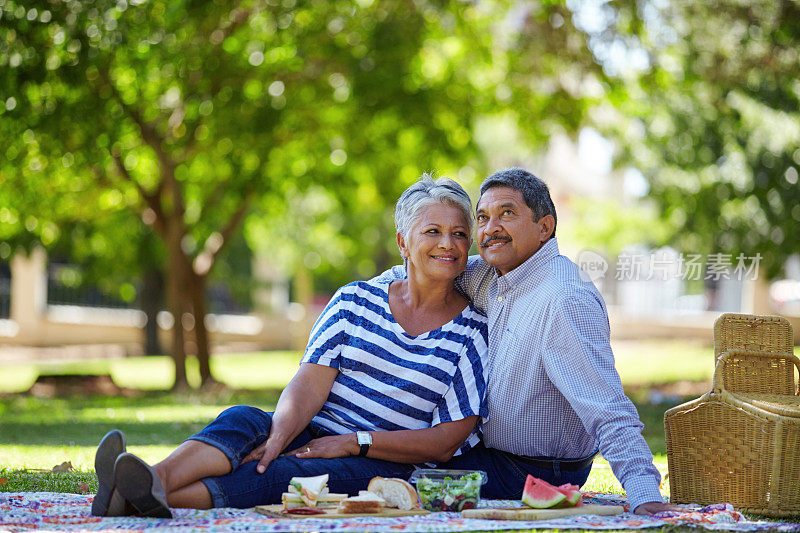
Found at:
(548, 251)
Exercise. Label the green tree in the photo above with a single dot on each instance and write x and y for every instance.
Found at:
(714, 120)
(308, 116)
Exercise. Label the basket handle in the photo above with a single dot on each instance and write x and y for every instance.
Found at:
(719, 379)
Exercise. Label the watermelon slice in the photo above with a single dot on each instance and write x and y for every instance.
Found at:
(540, 494)
(573, 494)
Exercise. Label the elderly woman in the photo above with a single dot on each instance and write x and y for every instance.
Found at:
(392, 376)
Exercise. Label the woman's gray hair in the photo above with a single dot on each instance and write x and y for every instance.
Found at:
(428, 191)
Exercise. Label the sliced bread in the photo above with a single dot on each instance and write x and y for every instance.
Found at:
(366, 502)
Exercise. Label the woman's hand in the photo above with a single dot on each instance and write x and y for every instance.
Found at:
(299, 402)
(328, 447)
(264, 453)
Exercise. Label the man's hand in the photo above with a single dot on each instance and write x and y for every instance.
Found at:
(264, 453)
(658, 507)
(328, 447)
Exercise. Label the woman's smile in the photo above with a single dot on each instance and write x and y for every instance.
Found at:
(438, 244)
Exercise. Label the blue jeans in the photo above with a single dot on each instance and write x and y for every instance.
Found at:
(507, 474)
(238, 430)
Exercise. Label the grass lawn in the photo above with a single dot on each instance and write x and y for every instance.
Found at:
(39, 433)
(259, 370)
(663, 361)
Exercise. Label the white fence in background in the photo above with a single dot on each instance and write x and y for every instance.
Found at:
(32, 322)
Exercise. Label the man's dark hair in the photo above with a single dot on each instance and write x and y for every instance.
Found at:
(534, 191)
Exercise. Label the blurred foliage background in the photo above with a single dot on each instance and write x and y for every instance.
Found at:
(162, 143)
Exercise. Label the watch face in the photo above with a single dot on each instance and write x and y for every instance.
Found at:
(364, 437)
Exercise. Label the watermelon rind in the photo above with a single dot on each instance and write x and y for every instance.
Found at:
(573, 499)
(572, 493)
(540, 494)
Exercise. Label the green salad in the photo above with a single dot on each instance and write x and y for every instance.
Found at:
(450, 492)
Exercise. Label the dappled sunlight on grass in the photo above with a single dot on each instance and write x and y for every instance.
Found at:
(47, 456)
(663, 361)
(602, 477)
(258, 370)
(271, 370)
(150, 373)
(42, 432)
(155, 413)
(17, 377)
(602, 480)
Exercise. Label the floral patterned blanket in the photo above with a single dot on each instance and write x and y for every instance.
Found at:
(70, 512)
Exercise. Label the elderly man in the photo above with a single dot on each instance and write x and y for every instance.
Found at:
(554, 395)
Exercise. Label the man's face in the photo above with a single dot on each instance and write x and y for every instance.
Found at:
(506, 231)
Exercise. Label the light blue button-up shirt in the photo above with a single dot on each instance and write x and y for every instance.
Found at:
(553, 389)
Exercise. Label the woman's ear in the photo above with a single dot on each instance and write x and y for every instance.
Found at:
(401, 244)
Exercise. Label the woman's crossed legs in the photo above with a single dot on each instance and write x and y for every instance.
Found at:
(207, 470)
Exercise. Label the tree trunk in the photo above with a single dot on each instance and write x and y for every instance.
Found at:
(176, 294)
(151, 301)
(197, 291)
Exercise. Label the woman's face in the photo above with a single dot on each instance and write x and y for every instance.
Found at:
(438, 243)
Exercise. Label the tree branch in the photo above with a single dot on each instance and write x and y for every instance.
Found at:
(206, 259)
(150, 199)
(234, 221)
(213, 198)
(148, 131)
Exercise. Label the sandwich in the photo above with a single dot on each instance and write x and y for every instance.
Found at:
(395, 492)
(326, 500)
(310, 492)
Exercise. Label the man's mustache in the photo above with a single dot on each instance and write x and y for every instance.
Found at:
(486, 241)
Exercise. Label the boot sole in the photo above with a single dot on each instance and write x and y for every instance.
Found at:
(139, 484)
(110, 447)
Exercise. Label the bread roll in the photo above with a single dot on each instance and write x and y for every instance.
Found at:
(397, 492)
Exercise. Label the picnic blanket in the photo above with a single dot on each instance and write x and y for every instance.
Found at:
(23, 511)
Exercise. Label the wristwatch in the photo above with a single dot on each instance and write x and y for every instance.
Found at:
(364, 439)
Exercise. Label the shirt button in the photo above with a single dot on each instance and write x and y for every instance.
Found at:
(499, 298)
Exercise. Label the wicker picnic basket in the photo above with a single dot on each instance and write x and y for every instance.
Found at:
(740, 442)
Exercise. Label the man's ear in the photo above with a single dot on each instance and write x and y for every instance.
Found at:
(547, 225)
(401, 244)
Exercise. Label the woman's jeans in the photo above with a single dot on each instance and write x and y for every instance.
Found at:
(238, 430)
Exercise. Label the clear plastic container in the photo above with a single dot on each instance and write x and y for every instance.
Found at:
(448, 490)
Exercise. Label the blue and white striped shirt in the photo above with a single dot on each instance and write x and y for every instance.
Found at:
(389, 380)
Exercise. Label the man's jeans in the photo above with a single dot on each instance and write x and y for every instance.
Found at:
(507, 474)
(238, 430)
